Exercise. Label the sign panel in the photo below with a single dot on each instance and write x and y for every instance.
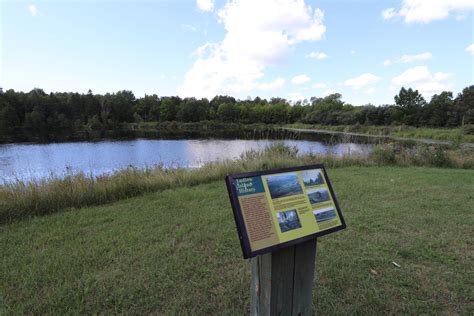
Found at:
(280, 208)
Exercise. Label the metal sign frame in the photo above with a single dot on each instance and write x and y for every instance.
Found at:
(239, 220)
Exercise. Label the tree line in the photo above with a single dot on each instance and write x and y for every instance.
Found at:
(39, 113)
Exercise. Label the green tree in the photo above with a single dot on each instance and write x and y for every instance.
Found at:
(278, 113)
(94, 123)
(35, 121)
(464, 107)
(409, 103)
(325, 110)
(435, 112)
(137, 118)
(122, 104)
(91, 105)
(9, 120)
(193, 110)
(76, 105)
(148, 107)
(169, 108)
(228, 112)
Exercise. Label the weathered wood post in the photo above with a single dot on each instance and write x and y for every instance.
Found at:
(282, 281)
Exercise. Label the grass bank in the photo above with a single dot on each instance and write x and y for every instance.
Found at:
(455, 135)
(176, 252)
(25, 199)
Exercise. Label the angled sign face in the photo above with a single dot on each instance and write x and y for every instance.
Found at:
(279, 208)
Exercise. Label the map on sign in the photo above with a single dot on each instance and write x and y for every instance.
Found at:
(279, 208)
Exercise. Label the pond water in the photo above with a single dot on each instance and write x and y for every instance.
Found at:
(38, 161)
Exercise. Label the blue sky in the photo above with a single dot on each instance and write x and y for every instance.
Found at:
(365, 50)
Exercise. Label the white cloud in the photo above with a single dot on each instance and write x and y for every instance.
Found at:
(317, 55)
(33, 10)
(275, 84)
(362, 81)
(370, 91)
(258, 34)
(440, 76)
(206, 48)
(328, 92)
(389, 13)
(319, 85)
(420, 78)
(189, 27)
(352, 52)
(418, 57)
(205, 5)
(428, 10)
(470, 49)
(409, 59)
(300, 79)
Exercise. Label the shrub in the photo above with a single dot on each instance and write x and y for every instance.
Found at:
(384, 154)
(468, 129)
(431, 156)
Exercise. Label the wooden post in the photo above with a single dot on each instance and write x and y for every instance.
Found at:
(282, 281)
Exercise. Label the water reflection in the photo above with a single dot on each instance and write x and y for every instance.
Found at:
(38, 161)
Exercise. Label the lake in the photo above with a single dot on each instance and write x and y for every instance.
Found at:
(38, 161)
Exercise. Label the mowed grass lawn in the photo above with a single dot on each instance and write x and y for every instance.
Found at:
(177, 252)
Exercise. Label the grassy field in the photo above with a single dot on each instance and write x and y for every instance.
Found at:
(455, 135)
(177, 252)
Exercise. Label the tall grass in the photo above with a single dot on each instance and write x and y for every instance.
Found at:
(421, 155)
(21, 199)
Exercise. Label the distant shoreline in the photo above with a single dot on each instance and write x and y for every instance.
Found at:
(212, 129)
(429, 136)
(386, 137)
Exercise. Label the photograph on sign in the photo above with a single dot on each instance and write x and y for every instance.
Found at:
(279, 208)
(312, 177)
(318, 195)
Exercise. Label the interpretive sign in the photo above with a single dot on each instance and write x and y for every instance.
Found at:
(280, 208)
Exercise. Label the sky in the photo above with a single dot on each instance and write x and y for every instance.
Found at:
(294, 49)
